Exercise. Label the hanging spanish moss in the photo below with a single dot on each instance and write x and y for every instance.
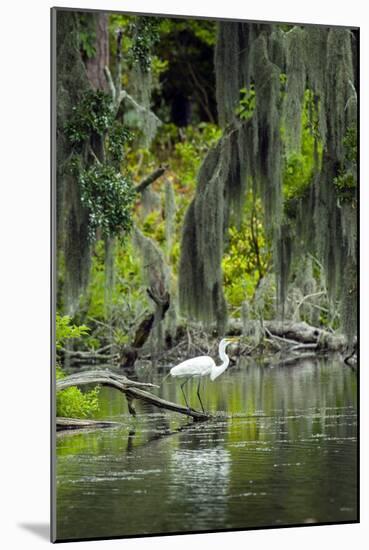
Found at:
(250, 329)
(295, 88)
(145, 36)
(155, 270)
(279, 66)
(156, 277)
(140, 105)
(340, 92)
(266, 120)
(200, 275)
(222, 180)
(315, 59)
(72, 217)
(283, 251)
(170, 213)
(228, 84)
(109, 280)
(150, 201)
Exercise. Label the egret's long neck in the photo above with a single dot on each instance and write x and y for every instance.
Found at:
(217, 370)
(222, 354)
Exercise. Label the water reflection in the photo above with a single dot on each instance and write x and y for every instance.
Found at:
(281, 450)
(202, 478)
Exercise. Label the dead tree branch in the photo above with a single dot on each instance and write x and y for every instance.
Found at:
(132, 390)
(150, 179)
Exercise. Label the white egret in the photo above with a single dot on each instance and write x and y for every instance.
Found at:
(204, 365)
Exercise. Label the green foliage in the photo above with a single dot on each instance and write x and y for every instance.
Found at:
(205, 31)
(196, 142)
(346, 180)
(109, 197)
(154, 227)
(118, 137)
(350, 145)
(158, 66)
(73, 403)
(299, 166)
(181, 63)
(146, 35)
(107, 194)
(128, 299)
(87, 35)
(93, 114)
(247, 257)
(283, 81)
(345, 184)
(183, 152)
(66, 330)
(247, 103)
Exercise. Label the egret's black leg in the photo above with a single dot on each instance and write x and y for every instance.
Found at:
(198, 395)
(184, 395)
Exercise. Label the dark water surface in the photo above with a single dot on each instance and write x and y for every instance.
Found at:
(281, 451)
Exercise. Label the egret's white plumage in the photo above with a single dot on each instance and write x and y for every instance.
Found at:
(202, 365)
(197, 366)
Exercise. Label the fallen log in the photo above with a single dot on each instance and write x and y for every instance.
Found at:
(292, 359)
(103, 377)
(63, 423)
(294, 333)
(132, 390)
(77, 356)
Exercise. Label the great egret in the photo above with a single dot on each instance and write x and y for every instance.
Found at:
(203, 365)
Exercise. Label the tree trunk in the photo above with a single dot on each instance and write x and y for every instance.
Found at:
(95, 66)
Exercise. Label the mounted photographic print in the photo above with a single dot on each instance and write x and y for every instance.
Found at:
(204, 240)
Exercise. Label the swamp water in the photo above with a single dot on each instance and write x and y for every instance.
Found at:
(280, 451)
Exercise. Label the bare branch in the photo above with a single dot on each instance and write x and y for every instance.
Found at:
(151, 178)
(93, 154)
(110, 82)
(303, 300)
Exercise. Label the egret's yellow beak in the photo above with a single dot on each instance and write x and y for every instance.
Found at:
(233, 339)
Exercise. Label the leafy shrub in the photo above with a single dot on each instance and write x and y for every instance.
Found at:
(247, 256)
(128, 299)
(74, 403)
(66, 330)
